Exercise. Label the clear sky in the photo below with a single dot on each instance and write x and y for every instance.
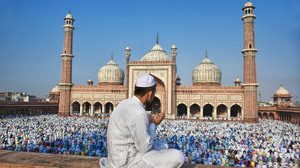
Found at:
(32, 35)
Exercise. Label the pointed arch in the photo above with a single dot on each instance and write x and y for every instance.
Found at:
(181, 110)
(109, 107)
(159, 82)
(265, 115)
(221, 110)
(86, 108)
(236, 111)
(98, 107)
(76, 107)
(195, 110)
(271, 116)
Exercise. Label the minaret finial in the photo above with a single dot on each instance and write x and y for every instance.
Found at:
(112, 56)
(157, 39)
(281, 84)
(206, 54)
(70, 11)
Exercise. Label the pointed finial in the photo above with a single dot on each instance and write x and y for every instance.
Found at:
(281, 84)
(206, 54)
(112, 56)
(157, 38)
(70, 11)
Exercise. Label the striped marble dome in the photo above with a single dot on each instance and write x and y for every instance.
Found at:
(111, 72)
(157, 54)
(206, 71)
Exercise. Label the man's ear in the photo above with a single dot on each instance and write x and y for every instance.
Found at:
(149, 94)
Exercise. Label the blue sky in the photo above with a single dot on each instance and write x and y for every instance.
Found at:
(32, 34)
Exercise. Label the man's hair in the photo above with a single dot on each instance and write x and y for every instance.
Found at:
(141, 91)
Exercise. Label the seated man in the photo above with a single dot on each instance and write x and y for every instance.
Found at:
(131, 133)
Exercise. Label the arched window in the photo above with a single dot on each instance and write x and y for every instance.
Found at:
(250, 46)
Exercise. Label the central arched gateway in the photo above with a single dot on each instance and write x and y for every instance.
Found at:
(159, 103)
(154, 107)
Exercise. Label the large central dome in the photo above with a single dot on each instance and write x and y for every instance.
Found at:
(157, 54)
(206, 73)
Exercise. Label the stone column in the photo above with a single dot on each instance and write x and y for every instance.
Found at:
(92, 110)
(214, 114)
(228, 114)
(201, 113)
(188, 113)
(103, 109)
(71, 110)
(242, 112)
(80, 110)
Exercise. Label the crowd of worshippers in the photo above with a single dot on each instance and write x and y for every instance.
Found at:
(269, 143)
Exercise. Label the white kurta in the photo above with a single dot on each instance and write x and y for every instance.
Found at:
(129, 136)
(130, 139)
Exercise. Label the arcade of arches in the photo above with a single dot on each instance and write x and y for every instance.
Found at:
(209, 112)
(87, 108)
(27, 108)
(291, 115)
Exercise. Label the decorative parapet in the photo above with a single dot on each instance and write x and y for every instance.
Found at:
(238, 88)
(149, 62)
(98, 87)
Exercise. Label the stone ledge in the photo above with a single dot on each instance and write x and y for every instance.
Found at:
(12, 159)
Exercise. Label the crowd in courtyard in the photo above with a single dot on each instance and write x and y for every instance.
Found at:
(269, 143)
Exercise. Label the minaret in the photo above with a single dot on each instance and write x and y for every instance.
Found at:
(127, 54)
(173, 101)
(66, 72)
(249, 51)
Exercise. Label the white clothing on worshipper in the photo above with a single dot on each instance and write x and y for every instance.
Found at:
(130, 139)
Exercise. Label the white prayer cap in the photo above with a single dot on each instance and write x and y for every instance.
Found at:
(145, 80)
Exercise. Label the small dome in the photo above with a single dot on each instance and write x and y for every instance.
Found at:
(206, 71)
(157, 54)
(237, 80)
(127, 48)
(69, 16)
(111, 72)
(248, 4)
(281, 90)
(90, 80)
(56, 89)
(173, 46)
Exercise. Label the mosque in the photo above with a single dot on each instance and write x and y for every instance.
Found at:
(205, 99)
